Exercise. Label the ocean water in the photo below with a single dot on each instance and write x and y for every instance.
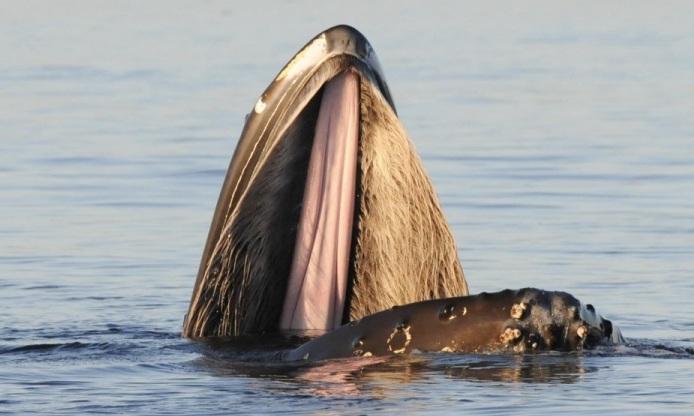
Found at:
(560, 139)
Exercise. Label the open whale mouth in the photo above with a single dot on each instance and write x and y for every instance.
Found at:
(308, 123)
(326, 213)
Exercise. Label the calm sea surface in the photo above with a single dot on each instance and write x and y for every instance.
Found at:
(560, 139)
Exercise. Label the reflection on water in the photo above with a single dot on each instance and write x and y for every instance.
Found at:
(355, 376)
(512, 369)
(261, 357)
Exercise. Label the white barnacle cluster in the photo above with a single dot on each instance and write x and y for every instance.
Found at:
(509, 335)
(518, 310)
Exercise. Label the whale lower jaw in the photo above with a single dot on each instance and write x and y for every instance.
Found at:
(511, 320)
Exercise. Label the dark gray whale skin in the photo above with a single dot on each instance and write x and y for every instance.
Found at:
(513, 320)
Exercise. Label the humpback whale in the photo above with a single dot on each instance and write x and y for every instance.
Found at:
(327, 219)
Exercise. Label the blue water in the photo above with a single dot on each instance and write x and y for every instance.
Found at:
(560, 139)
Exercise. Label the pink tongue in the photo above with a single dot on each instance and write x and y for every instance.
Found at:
(315, 296)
